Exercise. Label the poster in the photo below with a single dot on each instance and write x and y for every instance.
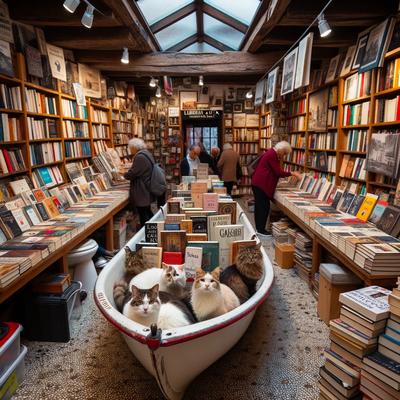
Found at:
(6, 65)
(271, 86)
(259, 96)
(289, 72)
(89, 78)
(318, 111)
(79, 95)
(6, 33)
(304, 61)
(57, 62)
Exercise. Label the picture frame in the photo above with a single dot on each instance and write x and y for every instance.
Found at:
(318, 111)
(289, 72)
(90, 80)
(228, 108)
(241, 93)
(376, 45)
(348, 60)
(188, 97)
(304, 61)
(360, 49)
(202, 106)
(333, 66)
(248, 105)
(230, 94)
(271, 86)
(228, 123)
(218, 102)
(237, 108)
(260, 90)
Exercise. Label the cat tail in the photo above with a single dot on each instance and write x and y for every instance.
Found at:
(232, 278)
(119, 292)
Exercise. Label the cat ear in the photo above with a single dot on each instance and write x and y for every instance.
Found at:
(154, 289)
(215, 273)
(164, 265)
(127, 250)
(199, 273)
(135, 291)
(258, 245)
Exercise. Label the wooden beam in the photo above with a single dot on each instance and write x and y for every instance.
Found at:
(216, 43)
(184, 43)
(93, 39)
(200, 19)
(264, 26)
(181, 64)
(174, 17)
(225, 18)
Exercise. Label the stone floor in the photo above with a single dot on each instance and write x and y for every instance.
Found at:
(278, 357)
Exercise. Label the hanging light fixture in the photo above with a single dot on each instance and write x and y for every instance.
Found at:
(249, 94)
(153, 82)
(71, 5)
(323, 26)
(125, 56)
(153, 102)
(87, 18)
(158, 92)
(201, 80)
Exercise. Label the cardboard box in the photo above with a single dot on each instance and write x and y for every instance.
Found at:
(284, 255)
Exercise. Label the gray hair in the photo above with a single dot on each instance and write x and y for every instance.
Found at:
(283, 146)
(227, 146)
(137, 143)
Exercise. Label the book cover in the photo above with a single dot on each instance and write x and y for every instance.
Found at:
(51, 208)
(228, 208)
(389, 218)
(210, 257)
(41, 209)
(172, 257)
(187, 225)
(225, 235)
(173, 207)
(172, 227)
(21, 219)
(367, 206)
(193, 261)
(197, 237)
(153, 231)
(199, 224)
(197, 190)
(152, 256)
(210, 202)
(173, 241)
(9, 221)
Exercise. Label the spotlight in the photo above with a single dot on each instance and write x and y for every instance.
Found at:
(153, 102)
(323, 26)
(153, 82)
(87, 18)
(158, 92)
(249, 94)
(71, 5)
(125, 56)
(201, 80)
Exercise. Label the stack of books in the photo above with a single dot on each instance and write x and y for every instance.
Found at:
(353, 336)
(380, 373)
(279, 230)
(303, 256)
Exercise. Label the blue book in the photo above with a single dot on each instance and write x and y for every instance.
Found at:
(44, 173)
(210, 259)
(172, 227)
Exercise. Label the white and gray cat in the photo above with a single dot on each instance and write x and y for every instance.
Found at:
(150, 306)
(210, 298)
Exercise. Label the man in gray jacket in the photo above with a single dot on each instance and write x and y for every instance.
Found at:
(139, 176)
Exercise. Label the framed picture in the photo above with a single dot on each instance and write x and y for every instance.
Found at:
(230, 94)
(271, 86)
(237, 107)
(289, 72)
(218, 102)
(304, 61)
(228, 123)
(248, 105)
(187, 99)
(202, 106)
(348, 60)
(377, 43)
(90, 80)
(259, 95)
(228, 108)
(57, 62)
(241, 93)
(333, 66)
(318, 111)
(360, 49)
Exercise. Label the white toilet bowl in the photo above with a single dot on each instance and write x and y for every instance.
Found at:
(80, 261)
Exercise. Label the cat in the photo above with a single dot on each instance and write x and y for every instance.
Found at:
(134, 263)
(210, 298)
(150, 306)
(242, 276)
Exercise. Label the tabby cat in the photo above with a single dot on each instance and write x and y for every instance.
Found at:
(134, 263)
(149, 306)
(210, 298)
(242, 276)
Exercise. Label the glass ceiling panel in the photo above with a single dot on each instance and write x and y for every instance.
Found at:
(154, 10)
(222, 32)
(242, 10)
(177, 32)
(200, 48)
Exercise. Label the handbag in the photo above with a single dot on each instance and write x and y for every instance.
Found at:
(251, 168)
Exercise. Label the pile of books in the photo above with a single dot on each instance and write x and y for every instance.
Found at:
(380, 373)
(354, 337)
(303, 256)
(279, 230)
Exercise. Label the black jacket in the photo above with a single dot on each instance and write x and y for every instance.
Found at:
(185, 168)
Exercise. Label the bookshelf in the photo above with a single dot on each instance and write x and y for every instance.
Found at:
(265, 128)
(122, 130)
(173, 149)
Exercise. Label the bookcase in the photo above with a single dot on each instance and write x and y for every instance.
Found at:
(123, 130)
(265, 128)
(173, 149)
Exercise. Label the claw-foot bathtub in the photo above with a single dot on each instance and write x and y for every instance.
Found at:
(175, 357)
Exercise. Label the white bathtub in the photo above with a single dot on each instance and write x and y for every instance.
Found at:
(176, 357)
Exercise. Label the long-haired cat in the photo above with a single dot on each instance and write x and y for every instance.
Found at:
(210, 298)
(149, 306)
(134, 263)
(242, 276)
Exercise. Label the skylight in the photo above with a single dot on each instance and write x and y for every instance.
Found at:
(242, 10)
(154, 10)
(200, 48)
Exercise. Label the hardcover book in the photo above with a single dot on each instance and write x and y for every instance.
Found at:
(9, 221)
(197, 237)
(225, 235)
(173, 241)
(187, 225)
(199, 224)
(210, 257)
(193, 261)
(153, 231)
(210, 201)
(152, 256)
(389, 219)
(172, 257)
(367, 206)
(197, 190)
(228, 207)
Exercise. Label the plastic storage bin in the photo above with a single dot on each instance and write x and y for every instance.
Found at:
(13, 376)
(10, 346)
(48, 315)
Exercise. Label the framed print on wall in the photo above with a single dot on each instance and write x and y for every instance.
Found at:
(187, 99)
(289, 72)
(360, 49)
(271, 86)
(348, 61)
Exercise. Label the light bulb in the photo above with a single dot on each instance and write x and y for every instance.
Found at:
(153, 82)
(249, 94)
(125, 56)
(323, 26)
(158, 92)
(71, 5)
(87, 17)
(201, 80)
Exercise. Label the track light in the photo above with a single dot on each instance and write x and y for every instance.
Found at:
(323, 26)
(125, 56)
(71, 5)
(249, 94)
(201, 80)
(158, 92)
(153, 82)
(87, 18)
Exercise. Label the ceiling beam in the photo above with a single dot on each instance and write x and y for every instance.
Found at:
(174, 17)
(225, 18)
(200, 19)
(181, 64)
(184, 43)
(216, 43)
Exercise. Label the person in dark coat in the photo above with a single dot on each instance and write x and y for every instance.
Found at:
(205, 158)
(264, 182)
(191, 161)
(215, 155)
(139, 176)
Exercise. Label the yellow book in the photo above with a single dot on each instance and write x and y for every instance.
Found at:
(396, 80)
(367, 206)
(51, 208)
(187, 225)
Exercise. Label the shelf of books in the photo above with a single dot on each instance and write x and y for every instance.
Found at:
(172, 145)
(265, 128)
(122, 128)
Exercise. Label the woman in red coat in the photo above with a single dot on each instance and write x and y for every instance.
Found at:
(265, 180)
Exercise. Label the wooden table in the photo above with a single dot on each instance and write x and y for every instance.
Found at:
(319, 242)
(60, 255)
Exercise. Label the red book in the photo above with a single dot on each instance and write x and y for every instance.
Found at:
(173, 257)
(8, 161)
(398, 109)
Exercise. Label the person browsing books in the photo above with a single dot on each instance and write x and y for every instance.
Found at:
(264, 182)
(191, 161)
(227, 166)
(215, 154)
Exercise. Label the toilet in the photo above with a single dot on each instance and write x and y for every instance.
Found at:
(80, 261)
